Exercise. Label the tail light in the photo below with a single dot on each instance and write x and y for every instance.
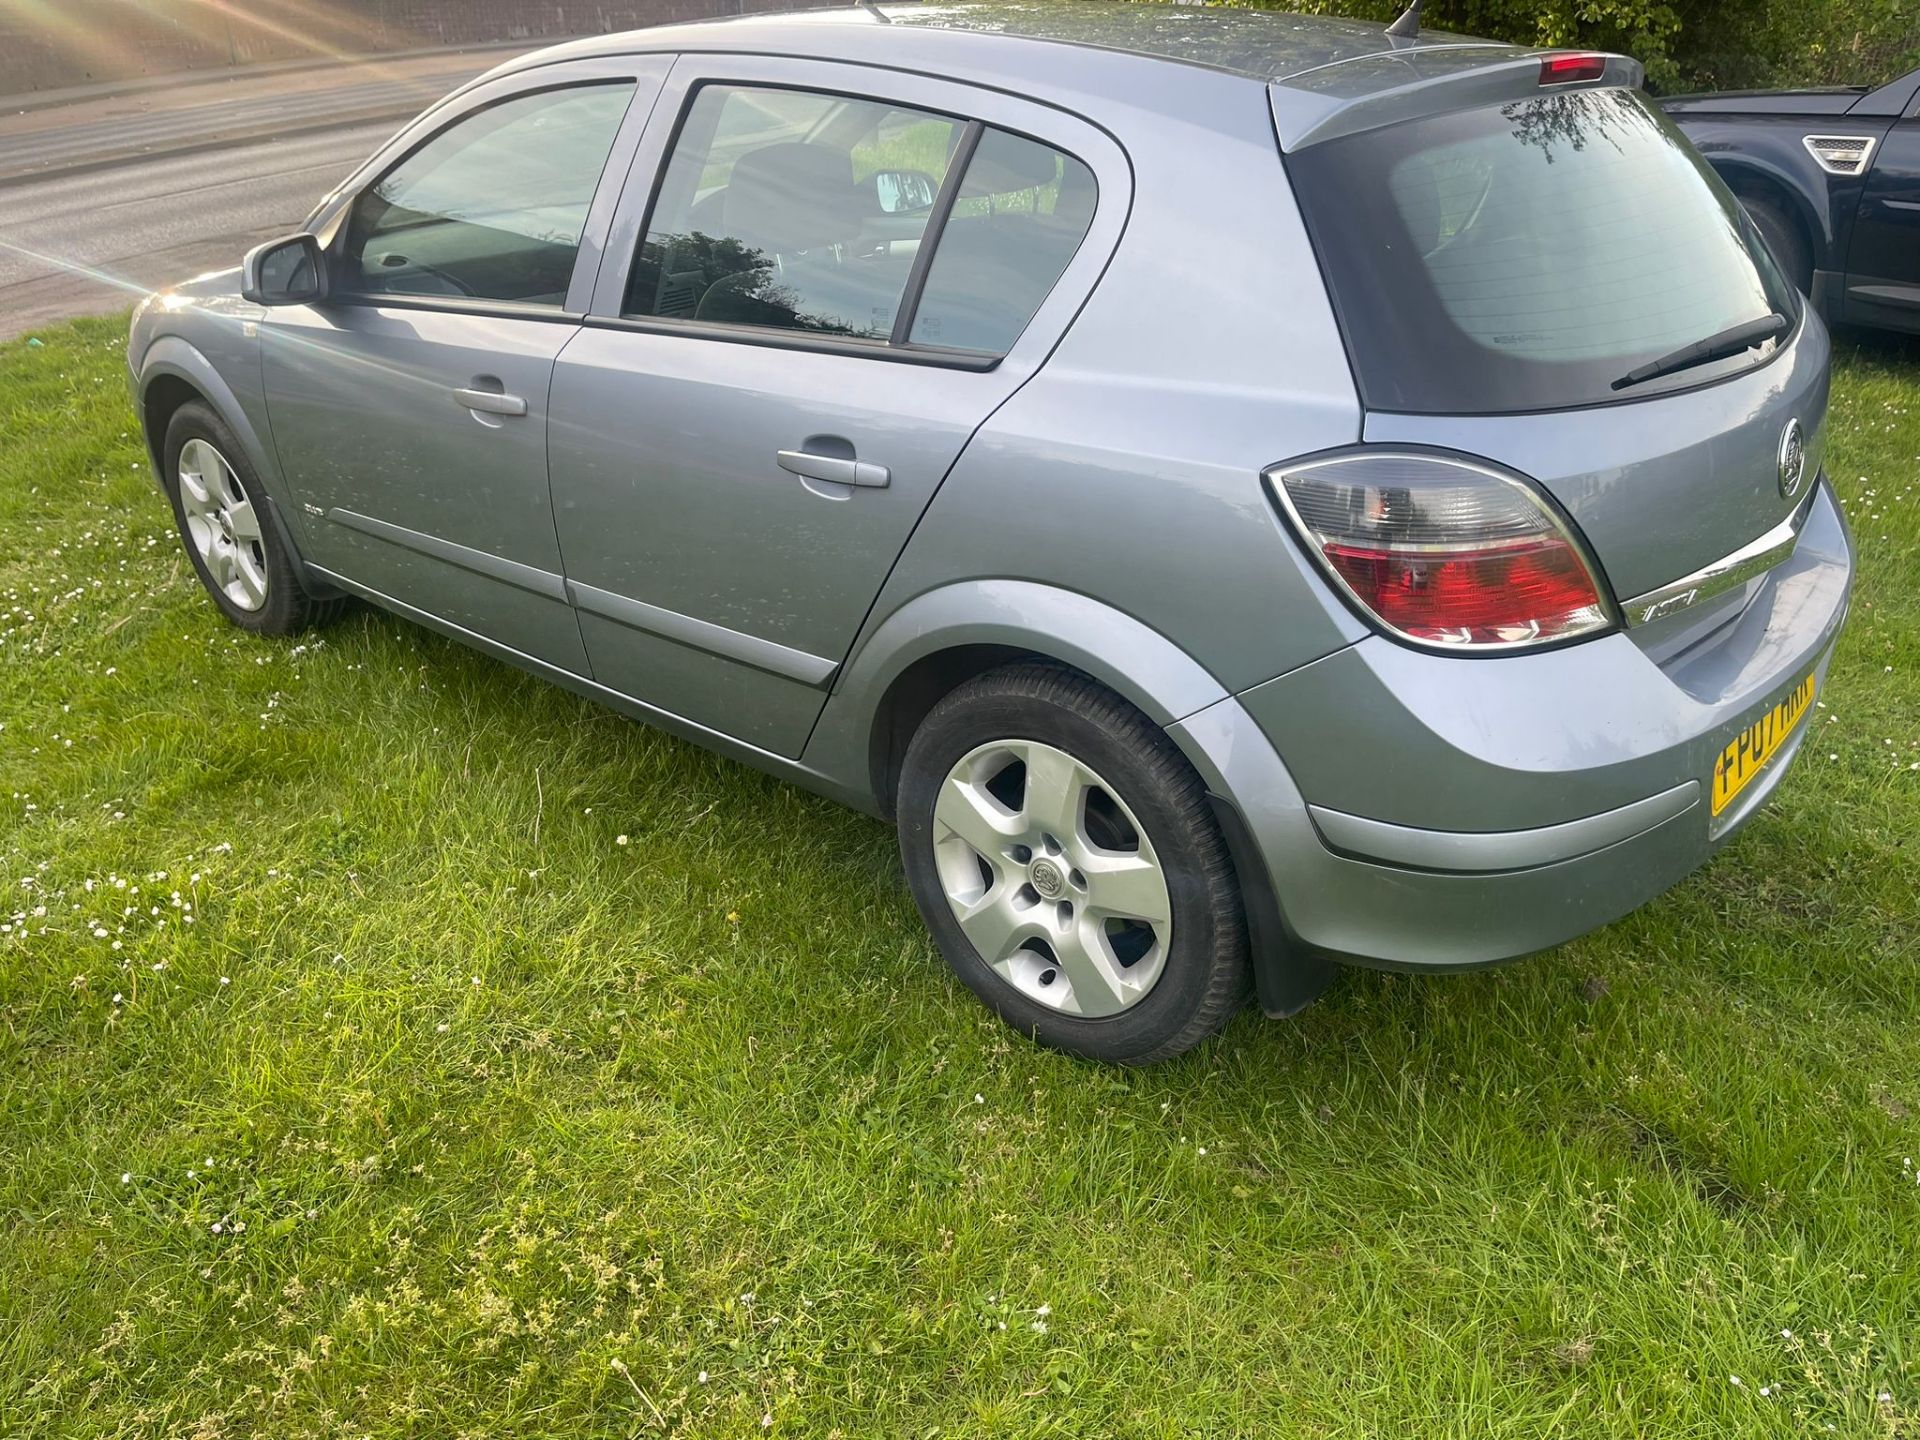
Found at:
(1443, 552)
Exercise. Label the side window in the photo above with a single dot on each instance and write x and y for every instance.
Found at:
(491, 208)
(791, 210)
(1022, 211)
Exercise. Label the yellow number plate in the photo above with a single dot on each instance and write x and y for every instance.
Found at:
(1758, 743)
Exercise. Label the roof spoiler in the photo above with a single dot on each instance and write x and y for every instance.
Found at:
(1370, 91)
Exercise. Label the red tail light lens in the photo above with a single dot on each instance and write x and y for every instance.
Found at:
(1571, 69)
(1443, 552)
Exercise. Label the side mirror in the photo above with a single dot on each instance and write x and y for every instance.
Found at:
(291, 271)
(901, 192)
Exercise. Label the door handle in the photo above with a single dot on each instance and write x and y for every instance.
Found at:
(490, 402)
(833, 469)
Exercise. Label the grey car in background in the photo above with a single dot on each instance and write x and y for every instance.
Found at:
(1245, 493)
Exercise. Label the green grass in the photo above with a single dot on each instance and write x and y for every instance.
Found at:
(535, 1133)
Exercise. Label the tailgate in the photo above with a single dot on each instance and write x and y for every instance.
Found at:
(1557, 282)
(1665, 486)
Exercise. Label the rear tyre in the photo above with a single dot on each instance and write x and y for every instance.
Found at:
(1063, 854)
(230, 532)
(1784, 237)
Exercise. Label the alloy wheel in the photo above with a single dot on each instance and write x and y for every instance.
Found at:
(222, 524)
(1052, 878)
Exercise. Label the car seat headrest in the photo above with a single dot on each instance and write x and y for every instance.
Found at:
(1005, 163)
(794, 196)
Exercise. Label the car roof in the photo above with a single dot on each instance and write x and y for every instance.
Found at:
(1263, 45)
(1325, 76)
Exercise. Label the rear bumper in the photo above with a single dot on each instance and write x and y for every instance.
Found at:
(1442, 813)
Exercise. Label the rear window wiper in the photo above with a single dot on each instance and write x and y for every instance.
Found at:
(1718, 346)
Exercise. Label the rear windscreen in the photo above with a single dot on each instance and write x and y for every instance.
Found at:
(1527, 256)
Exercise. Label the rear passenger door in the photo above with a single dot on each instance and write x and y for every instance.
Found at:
(821, 279)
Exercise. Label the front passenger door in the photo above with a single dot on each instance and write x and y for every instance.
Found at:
(1883, 259)
(760, 406)
(409, 408)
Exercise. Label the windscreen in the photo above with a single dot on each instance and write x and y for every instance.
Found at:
(1527, 256)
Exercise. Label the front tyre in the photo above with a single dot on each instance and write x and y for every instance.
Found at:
(1063, 854)
(229, 531)
(1785, 238)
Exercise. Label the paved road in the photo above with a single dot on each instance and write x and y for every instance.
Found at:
(109, 196)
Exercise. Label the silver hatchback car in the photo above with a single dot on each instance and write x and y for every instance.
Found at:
(1245, 494)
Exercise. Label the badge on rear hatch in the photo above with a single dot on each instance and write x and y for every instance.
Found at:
(1750, 750)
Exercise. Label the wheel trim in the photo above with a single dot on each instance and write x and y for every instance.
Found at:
(998, 865)
(222, 525)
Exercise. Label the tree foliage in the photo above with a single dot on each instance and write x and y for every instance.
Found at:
(1690, 44)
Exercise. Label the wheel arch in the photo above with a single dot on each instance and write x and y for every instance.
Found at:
(942, 638)
(1761, 179)
(913, 693)
(173, 373)
(162, 396)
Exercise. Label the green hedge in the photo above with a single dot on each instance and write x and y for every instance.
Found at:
(1691, 44)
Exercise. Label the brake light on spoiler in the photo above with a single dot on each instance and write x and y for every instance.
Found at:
(1571, 69)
